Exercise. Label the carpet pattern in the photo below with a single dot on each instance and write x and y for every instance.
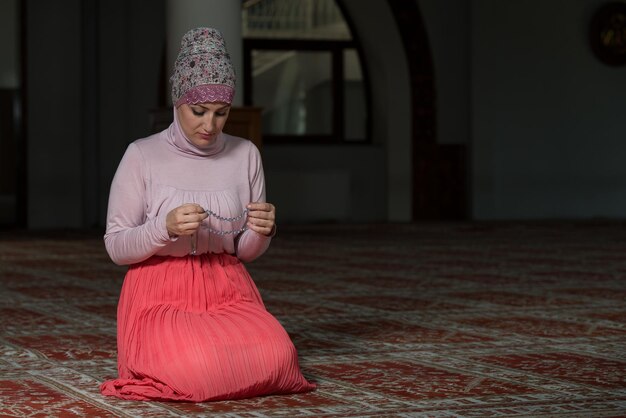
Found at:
(401, 320)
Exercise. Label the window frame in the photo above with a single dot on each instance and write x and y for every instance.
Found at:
(336, 49)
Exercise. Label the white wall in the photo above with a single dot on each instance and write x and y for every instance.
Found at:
(548, 117)
(544, 120)
(326, 184)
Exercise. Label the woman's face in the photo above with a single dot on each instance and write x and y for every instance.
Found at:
(202, 122)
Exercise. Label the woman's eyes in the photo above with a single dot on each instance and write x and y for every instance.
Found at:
(202, 112)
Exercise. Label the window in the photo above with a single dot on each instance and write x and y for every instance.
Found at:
(303, 69)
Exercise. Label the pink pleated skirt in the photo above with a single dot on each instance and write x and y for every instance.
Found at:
(195, 329)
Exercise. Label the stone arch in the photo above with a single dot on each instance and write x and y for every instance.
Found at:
(439, 178)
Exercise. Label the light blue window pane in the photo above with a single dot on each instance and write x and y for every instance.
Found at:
(294, 88)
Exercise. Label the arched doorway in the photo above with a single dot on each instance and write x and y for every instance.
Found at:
(439, 170)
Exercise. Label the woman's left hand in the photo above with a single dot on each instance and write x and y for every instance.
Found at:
(261, 218)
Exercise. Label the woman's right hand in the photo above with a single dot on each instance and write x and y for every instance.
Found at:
(185, 219)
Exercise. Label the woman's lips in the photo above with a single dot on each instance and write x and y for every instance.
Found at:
(206, 137)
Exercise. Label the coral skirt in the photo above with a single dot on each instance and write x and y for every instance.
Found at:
(195, 329)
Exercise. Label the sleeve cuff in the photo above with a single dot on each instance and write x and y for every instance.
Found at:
(163, 234)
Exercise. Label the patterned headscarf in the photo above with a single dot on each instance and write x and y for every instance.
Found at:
(203, 71)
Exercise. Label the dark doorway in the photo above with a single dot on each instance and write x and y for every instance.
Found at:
(439, 170)
(12, 146)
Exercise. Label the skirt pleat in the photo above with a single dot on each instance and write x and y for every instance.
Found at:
(195, 329)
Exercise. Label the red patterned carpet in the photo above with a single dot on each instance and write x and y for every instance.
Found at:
(436, 320)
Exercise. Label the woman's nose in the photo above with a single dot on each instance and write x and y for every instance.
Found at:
(208, 124)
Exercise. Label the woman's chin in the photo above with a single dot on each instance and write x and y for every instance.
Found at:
(204, 141)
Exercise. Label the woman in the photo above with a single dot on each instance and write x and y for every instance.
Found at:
(186, 207)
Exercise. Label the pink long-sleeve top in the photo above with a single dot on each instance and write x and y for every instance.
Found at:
(166, 170)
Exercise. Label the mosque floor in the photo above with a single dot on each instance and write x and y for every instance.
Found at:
(392, 320)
